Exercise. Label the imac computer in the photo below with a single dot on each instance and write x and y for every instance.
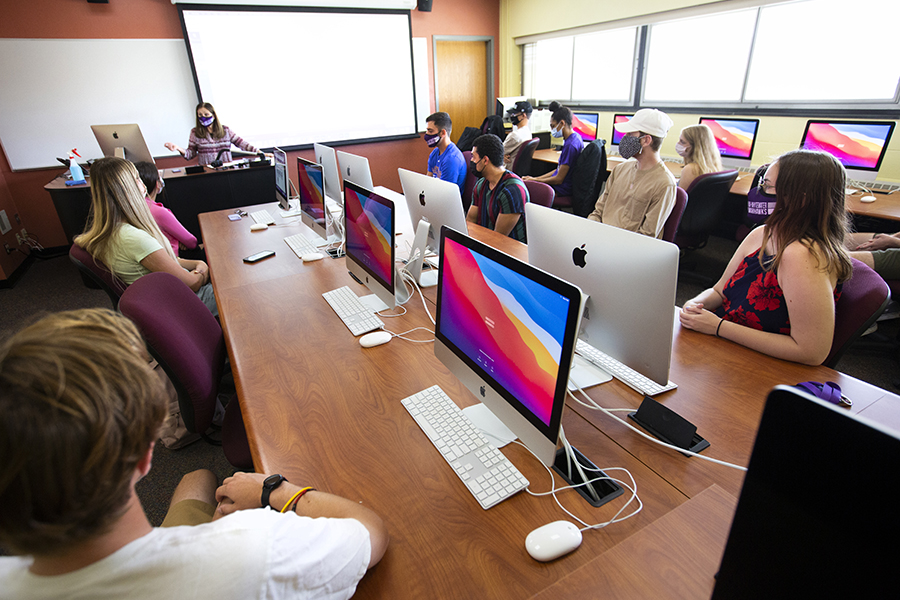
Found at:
(311, 187)
(504, 104)
(585, 124)
(735, 139)
(124, 141)
(432, 203)
(325, 156)
(369, 226)
(282, 183)
(859, 145)
(616, 135)
(507, 331)
(629, 280)
(356, 169)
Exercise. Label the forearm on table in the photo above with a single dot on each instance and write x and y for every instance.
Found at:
(778, 345)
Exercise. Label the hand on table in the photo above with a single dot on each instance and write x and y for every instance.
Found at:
(880, 241)
(694, 316)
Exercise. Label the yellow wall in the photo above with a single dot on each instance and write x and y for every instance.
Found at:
(528, 17)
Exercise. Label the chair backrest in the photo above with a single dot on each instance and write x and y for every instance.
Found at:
(471, 180)
(97, 272)
(522, 164)
(587, 170)
(184, 337)
(863, 298)
(705, 207)
(493, 124)
(674, 218)
(468, 137)
(540, 193)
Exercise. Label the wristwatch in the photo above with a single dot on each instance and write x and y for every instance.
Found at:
(270, 485)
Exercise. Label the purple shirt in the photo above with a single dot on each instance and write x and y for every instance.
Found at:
(571, 150)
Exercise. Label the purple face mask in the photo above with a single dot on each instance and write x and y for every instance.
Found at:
(432, 140)
(207, 121)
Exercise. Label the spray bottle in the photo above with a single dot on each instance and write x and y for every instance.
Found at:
(74, 168)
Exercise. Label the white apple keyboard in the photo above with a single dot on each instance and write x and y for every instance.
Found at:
(263, 217)
(352, 311)
(627, 375)
(300, 245)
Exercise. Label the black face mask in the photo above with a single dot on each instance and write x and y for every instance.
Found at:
(515, 119)
(473, 169)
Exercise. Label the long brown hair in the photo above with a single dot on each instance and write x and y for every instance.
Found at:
(704, 152)
(218, 132)
(810, 208)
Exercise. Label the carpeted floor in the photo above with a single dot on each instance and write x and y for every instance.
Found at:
(54, 285)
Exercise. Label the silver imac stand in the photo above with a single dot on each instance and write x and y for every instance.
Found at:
(414, 266)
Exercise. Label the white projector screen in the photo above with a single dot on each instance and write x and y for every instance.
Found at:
(292, 77)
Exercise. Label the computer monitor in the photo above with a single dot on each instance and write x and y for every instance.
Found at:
(504, 104)
(124, 141)
(735, 139)
(369, 226)
(629, 280)
(859, 145)
(282, 189)
(586, 125)
(616, 135)
(817, 514)
(507, 330)
(325, 156)
(311, 187)
(432, 204)
(355, 168)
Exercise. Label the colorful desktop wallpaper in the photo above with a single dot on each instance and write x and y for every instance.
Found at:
(734, 138)
(369, 234)
(585, 125)
(617, 136)
(856, 145)
(508, 324)
(311, 188)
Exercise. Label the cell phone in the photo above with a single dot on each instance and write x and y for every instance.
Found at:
(259, 256)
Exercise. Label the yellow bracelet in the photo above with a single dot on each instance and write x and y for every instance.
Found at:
(296, 496)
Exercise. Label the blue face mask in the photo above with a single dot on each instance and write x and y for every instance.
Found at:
(207, 121)
(557, 133)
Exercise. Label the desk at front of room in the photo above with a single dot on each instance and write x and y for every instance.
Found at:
(886, 206)
(325, 412)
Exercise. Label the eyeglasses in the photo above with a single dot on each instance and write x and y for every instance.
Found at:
(764, 185)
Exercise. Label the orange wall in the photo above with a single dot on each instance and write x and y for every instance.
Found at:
(22, 191)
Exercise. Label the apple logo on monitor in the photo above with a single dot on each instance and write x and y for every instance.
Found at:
(348, 171)
(482, 391)
(578, 255)
(422, 198)
(115, 135)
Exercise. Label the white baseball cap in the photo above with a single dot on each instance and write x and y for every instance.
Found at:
(649, 120)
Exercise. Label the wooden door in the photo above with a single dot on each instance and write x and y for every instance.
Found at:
(461, 78)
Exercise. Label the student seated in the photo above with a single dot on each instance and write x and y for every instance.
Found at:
(697, 146)
(178, 236)
(499, 198)
(519, 116)
(573, 144)
(639, 193)
(879, 251)
(446, 161)
(122, 234)
(81, 409)
(778, 292)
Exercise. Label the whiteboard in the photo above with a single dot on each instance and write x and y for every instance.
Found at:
(52, 91)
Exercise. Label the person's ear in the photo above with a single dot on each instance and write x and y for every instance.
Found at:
(143, 466)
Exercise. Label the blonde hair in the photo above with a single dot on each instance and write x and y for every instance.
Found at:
(704, 153)
(116, 199)
(80, 408)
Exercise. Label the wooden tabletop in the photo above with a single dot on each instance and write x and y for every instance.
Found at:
(325, 412)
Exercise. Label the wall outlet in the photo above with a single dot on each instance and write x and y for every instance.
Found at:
(8, 249)
(5, 227)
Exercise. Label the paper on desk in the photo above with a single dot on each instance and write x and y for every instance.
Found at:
(493, 428)
(584, 374)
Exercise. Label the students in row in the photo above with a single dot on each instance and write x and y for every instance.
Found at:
(697, 146)
(446, 161)
(573, 144)
(122, 234)
(178, 236)
(499, 197)
(210, 140)
(81, 412)
(778, 292)
(519, 116)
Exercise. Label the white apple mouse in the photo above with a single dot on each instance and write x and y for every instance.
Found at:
(376, 338)
(552, 540)
(867, 199)
(312, 257)
(258, 227)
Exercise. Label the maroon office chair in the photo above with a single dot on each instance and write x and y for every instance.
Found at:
(540, 193)
(705, 208)
(471, 180)
(187, 342)
(863, 298)
(96, 275)
(522, 163)
(674, 218)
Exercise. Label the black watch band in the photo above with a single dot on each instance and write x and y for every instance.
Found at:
(270, 485)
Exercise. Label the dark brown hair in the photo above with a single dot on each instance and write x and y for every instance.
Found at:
(218, 132)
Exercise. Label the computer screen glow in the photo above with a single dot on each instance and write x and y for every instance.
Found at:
(586, 125)
(617, 136)
(310, 184)
(369, 232)
(734, 137)
(858, 145)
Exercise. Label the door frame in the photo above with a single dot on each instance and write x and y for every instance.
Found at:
(492, 98)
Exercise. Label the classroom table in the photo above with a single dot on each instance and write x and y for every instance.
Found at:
(886, 205)
(325, 412)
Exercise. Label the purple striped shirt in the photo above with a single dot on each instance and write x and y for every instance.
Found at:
(208, 148)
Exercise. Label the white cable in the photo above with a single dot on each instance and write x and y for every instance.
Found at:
(596, 406)
(400, 335)
(407, 276)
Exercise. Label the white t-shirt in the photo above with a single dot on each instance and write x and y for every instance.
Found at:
(128, 247)
(514, 142)
(249, 554)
